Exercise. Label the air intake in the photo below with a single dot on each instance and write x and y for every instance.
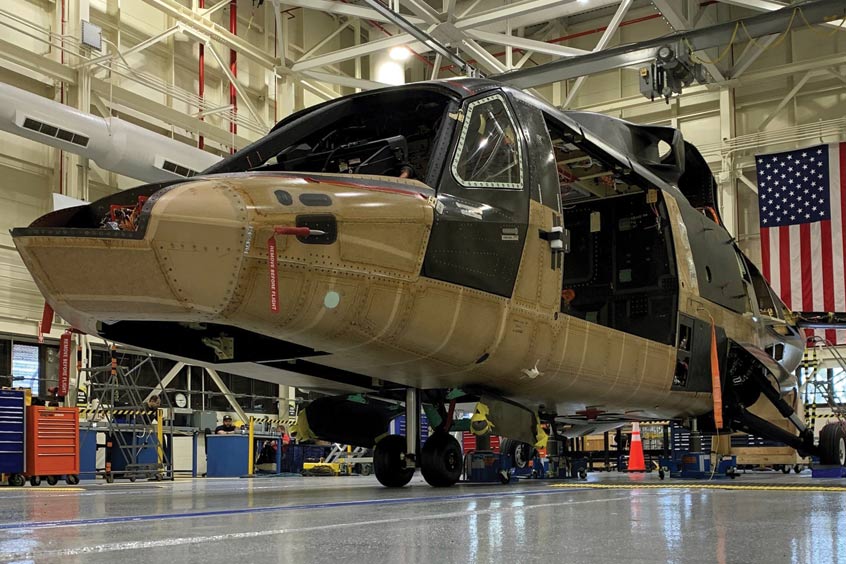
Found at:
(53, 131)
(171, 166)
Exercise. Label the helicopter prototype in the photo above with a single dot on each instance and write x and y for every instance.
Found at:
(445, 242)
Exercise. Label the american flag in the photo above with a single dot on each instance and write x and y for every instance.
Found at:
(802, 206)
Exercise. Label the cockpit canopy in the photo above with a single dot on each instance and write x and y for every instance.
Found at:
(388, 132)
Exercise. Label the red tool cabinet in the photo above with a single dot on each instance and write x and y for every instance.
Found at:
(52, 444)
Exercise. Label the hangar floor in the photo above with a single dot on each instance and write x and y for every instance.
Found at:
(611, 518)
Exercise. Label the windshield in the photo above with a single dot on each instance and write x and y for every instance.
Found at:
(387, 133)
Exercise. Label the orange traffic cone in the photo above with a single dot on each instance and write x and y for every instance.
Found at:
(636, 463)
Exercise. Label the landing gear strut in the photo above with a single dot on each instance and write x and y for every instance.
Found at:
(395, 456)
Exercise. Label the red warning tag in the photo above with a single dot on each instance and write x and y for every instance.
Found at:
(64, 364)
(46, 324)
(274, 275)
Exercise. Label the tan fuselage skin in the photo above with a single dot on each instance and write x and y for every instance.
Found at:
(203, 258)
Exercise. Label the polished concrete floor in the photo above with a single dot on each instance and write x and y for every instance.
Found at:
(611, 518)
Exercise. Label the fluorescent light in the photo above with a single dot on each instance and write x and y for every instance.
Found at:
(400, 53)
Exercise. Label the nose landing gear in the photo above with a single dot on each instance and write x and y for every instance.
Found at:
(395, 457)
(389, 462)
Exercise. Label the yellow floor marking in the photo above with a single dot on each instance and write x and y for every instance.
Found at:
(49, 488)
(708, 486)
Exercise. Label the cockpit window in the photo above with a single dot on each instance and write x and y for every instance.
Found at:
(489, 154)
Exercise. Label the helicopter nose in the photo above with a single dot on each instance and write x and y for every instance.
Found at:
(139, 269)
(203, 251)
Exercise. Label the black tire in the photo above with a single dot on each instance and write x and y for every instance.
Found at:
(366, 469)
(785, 469)
(72, 479)
(52, 480)
(662, 474)
(16, 480)
(35, 481)
(833, 444)
(521, 453)
(583, 474)
(389, 462)
(440, 460)
(797, 469)
(110, 478)
(132, 478)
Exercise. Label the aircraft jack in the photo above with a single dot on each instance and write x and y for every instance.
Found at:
(828, 471)
(484, 466)
(697, 466)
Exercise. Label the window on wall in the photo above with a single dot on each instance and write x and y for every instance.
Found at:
(265, 397)
(825, 383)
(489, 153)
(26, 367)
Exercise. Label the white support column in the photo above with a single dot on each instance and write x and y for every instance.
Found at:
(357, 41)
(727, 199)
(287, 397)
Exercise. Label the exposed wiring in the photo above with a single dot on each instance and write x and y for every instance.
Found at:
(822, 33)
(742, 25)
(722, 55)
(778, 41)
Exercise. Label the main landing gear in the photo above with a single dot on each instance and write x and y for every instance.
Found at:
(395, 457)
(832, 447)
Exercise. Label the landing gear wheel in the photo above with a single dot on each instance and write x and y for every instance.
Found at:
(833, 444)
(52, 480)
(72, 479)
(389, 462)
(16, 480)
(440, 460)
(35, 481)
(520, 452)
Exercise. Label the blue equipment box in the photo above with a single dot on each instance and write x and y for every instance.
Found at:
(697, 466)
(226, 455)
(12, 431)
(487, 466)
